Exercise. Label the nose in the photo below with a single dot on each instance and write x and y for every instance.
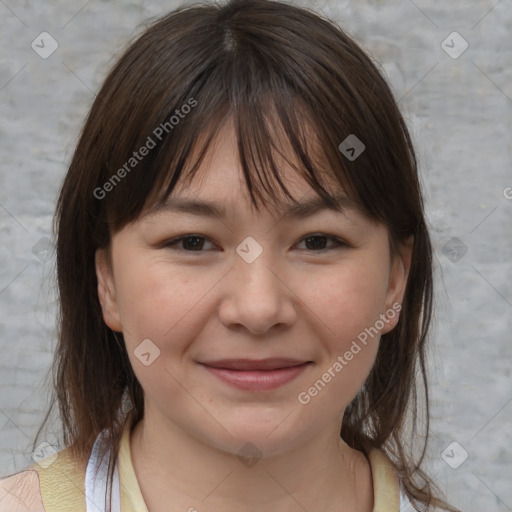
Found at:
(257, 296)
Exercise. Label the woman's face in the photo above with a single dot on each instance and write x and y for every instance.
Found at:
(250, 286)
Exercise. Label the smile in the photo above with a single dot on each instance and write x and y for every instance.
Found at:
(257, 379)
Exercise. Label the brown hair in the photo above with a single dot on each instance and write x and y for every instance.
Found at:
(242, 60)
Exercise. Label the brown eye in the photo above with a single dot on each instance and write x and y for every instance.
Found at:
(317, 243)
(188, 243)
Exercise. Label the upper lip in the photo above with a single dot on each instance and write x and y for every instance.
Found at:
(255, 364)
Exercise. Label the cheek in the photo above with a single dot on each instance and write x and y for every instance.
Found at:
(164, 306)
(348, 299)
(347, 304)
(161, 303)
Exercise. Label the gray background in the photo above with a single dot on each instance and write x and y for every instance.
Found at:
(459, 111)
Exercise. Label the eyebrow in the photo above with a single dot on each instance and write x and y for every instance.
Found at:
(300, 210)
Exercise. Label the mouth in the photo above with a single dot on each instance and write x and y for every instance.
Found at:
(256, 375)
(275, 363)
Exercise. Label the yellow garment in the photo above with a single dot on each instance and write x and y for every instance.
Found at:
(62, 484)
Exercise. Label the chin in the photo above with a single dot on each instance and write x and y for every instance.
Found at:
(261, 437)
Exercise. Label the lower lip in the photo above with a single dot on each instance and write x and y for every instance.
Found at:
(257, 380)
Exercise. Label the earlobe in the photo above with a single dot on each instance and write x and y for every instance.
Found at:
(106, 291)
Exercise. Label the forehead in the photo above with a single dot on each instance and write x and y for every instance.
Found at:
(220, 192)
(231, 168)
(221, 175)
(219, 188)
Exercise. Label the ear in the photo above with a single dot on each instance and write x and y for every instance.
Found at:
(106, 290)
(399, 273)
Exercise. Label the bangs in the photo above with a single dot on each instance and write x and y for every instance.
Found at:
(285, 96)
(270, 130)
(264, 142)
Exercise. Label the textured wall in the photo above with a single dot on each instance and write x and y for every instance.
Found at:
(458, 103)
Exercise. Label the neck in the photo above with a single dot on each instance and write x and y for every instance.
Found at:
(177, 471)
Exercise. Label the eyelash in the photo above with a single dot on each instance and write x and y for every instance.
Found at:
(338, 243)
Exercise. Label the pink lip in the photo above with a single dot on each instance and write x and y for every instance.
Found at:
(257, 379)
(271, 363)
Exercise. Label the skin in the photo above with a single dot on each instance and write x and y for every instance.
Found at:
(21, 493)
(293, 301)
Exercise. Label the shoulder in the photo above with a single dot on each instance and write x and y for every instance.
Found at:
(55, 483)
(21, 493)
